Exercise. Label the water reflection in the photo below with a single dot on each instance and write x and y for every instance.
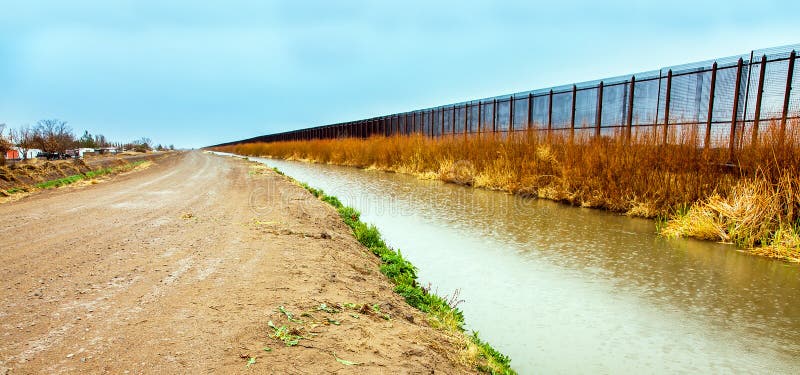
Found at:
(564, 290)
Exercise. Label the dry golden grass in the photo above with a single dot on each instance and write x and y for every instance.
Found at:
(751, 199)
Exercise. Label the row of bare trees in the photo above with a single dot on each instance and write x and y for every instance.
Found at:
(56, 136)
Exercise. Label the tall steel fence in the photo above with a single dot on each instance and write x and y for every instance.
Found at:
(723, 103)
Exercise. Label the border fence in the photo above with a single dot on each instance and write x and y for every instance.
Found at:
(724, 102)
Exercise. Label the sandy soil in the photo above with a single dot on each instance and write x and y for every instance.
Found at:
(181, 267)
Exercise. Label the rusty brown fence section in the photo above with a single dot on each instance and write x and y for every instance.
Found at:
(723, 103)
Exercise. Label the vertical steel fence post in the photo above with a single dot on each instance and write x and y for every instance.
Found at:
(466, 117)
(629, 122)
(747, 88)
(550, 113)
(786, 95)
(759, 94)
(735, 111)
(530, 111)
(453, 120)
(711, 94)
(599, 115)
(667, 101)
(494, 116)
(480, 117)
(572, 114)
(433, 122)
(441, 121)
(511, 115)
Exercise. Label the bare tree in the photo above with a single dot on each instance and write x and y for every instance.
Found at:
(100, 140)
(143, 144)
(24, 136)
(53, 136)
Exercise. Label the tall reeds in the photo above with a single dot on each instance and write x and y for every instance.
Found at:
(750, 197)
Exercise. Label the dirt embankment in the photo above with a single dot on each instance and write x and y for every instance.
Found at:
(31, 172)
(195, 265)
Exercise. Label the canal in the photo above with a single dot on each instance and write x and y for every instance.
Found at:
(562, 289)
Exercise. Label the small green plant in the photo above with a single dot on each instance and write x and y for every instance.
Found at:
(60, 182)
(88, 175)
(497, 362)
(15, 190)
(290, 337)
(324, 307)
(334, 321)
(251, 361)
(289, 315)
(333, 201)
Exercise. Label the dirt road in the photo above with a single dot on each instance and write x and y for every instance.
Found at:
(181, 267)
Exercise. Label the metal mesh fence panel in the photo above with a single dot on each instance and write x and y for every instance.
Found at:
(689, 98)
(460, 114)
(645, 102)
(751, 89)
(662, 99)
(402, 122)
(473, 119)
(540, 113)
(774, 87)
(488, 115)
(562, 110)
(447, 120)
(723, 95)
(503, 108)
(437, 122)
(585, 108)
(521, 113)
(615, 105)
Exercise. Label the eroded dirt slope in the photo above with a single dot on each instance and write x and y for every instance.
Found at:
(181, 267)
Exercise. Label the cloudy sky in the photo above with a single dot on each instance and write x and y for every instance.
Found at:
(193, 73)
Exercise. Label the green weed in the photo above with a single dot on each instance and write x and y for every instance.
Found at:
(88, 175)
(15, 190)
(290, 337)
(289, 315)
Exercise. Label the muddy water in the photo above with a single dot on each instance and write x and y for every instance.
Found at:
(568, 290)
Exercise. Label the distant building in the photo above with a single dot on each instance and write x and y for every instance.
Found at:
(108, 150)
(80, 152)
(16, 153)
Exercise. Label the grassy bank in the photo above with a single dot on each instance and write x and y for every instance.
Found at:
(403, 274)
(751, 198)
(89, 175)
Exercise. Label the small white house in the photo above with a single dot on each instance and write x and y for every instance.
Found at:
(30, 153)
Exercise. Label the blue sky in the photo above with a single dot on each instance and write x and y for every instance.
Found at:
(195, 73)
